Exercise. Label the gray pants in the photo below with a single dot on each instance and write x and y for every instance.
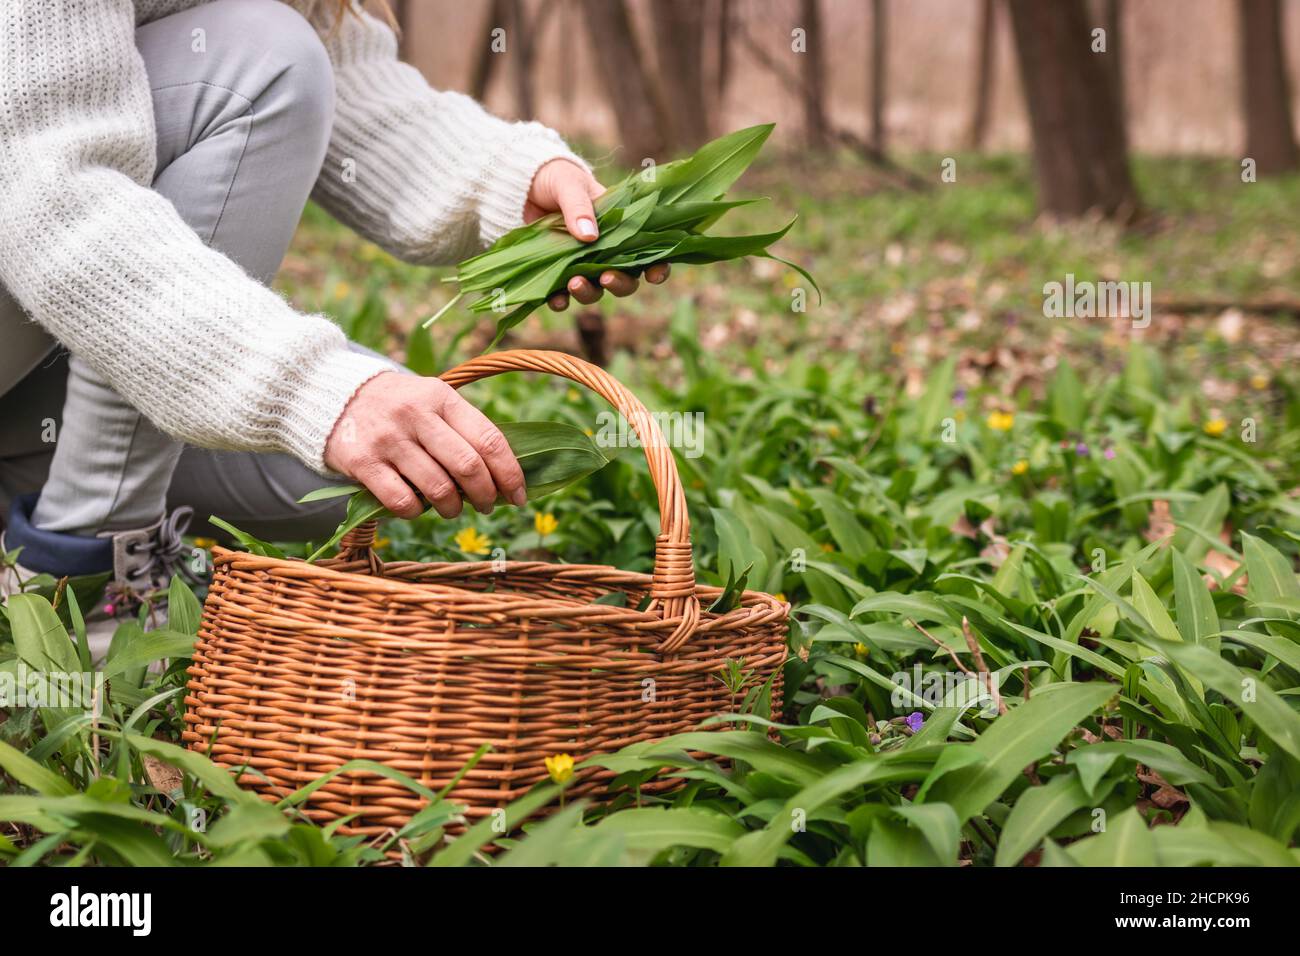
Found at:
(242, 129)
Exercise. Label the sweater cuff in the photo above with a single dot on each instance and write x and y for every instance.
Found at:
(509, 176)
(316, 398)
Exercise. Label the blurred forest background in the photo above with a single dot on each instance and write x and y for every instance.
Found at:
(930, 75)
(920, 142)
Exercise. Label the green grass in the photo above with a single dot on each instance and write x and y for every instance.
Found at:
(1084, 515)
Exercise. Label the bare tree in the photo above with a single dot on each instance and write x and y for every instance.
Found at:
(679, 44)
(879, 68)
(636, 100)
(817, 128)
(1079, 154)
(986, 38)
(1266, 98)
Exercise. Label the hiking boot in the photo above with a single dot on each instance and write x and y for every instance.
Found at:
(141, 563)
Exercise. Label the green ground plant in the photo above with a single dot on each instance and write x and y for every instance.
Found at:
(1039, 619)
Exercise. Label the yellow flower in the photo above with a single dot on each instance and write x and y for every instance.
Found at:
(1259, 381)
(827, 547)
(959, 415)
(342, 290)
(1020, 467)
(1001, 421)
(861, 649)
(382, 542)
(833, 431)
(1215, 427)
(560, 767)
(779, 595)
(204, 543)
(545, 523)
(572, 395)
(471, 542)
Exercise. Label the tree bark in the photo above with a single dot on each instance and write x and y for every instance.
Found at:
(679, 45)
(636, 101)
(879, 67)
(817, 128)
(986, 36)
(1079, 155)
(1266, 98)
(722, 68)
(1115, 54)
(521, 53)
(486, 61)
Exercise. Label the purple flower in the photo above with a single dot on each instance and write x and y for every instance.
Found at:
(959, 397)
(1081, 450)
(915, 720)
(108, 609)
(1109, 454)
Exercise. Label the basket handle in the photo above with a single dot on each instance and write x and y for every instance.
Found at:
(672, 588)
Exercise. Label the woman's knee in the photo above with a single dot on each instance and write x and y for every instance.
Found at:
(301, 89)
(263, 52)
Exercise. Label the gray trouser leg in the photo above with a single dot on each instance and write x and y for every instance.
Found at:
(243, 100)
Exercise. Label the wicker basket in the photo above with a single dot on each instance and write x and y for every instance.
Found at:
(301, 667)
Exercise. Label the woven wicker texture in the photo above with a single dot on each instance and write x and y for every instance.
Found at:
(301, 667)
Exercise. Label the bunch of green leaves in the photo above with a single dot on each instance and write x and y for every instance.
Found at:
(659, 214)
(552, 456)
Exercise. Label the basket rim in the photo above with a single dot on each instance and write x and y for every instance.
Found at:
(751, 602)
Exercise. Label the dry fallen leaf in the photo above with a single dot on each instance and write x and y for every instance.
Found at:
(1160, 523)
(162, 777)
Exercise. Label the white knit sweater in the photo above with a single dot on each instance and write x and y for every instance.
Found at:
(109, 268)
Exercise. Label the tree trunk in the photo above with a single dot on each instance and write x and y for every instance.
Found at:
(1110, 16)
(1079, 152)
(722, 71)
(979, 122)
(679, 45)
(879, 66)
(486, 61)
(636, 101)
(817, 128)
(520, 51)
(1266, 99)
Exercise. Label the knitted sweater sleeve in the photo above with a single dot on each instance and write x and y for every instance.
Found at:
(428, 175)
(109, 268)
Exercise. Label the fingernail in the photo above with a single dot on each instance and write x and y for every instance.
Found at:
(586, 228)
(607, 278)
(519, 497)
(575, 284)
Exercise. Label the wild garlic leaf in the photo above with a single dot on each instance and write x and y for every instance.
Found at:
(552, 455)
(651, 216)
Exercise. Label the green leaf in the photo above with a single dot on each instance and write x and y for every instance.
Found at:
(1270, 579)
(40, 639)
(1197, 618)
(328, 492)
(183, 609)
(252, 544)
(1013, 741)
(31, 774)
(1126, 842)
(654, 829)
(140, 649)
(1065, 398)
(1036, 814)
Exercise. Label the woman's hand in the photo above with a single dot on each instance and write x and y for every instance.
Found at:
(402, 432)
(565, 187)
